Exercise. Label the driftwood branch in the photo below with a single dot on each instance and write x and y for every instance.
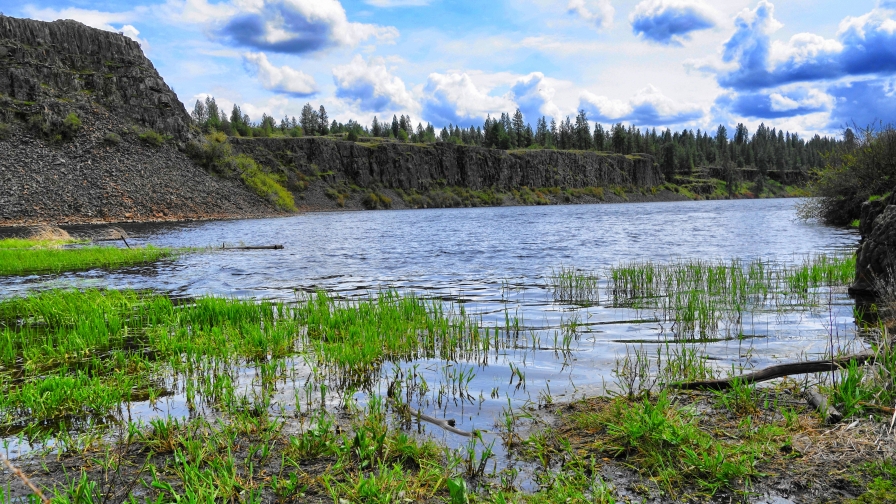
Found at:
(821, 404)
(256, 247)
(447, 424)
(780, 371)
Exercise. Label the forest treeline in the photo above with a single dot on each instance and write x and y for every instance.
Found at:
(766, 149)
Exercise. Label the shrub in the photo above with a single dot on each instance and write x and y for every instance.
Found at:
(863, 167)
(71, 124)
(264, 184)
(153, 138)
(112, 139)
(5, 131)
(375, 200)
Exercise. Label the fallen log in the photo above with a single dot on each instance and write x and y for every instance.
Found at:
(255, 247)
(779, 371)
(447, 424)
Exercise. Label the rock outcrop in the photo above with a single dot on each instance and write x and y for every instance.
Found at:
(422, 167)
(875, 259)
(89, 132)
(46, 68)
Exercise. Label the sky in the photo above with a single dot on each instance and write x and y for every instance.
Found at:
(799, 65)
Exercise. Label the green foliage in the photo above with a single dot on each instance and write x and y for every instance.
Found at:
(71, 124)
(374, 200)
(669, 446)
(112, 139)
(154, 138)
(864, 166)
(264, 184)
(5, 131)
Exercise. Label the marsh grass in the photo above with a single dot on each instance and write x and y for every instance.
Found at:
(569, 285)
(705, 300)
(42, 258)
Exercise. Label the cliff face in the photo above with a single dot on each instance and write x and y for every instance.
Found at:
(423, 167)
(42, 64)
(103, 166)
(875, 261)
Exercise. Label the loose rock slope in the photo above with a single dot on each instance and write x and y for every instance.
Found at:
(120, 160)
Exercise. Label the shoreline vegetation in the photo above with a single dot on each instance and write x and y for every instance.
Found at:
(272, 390)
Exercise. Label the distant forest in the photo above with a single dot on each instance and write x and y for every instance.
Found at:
(766, 149)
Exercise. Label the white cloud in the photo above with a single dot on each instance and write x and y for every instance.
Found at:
(279, 79)
(812, 99)
(371, 86)
(454, 98)
(535, 97)
(803, 47)
(648, 107)
(671, 22)
(295, 26)
(597, 12)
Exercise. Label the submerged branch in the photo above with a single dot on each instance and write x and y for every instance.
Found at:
(780, 371)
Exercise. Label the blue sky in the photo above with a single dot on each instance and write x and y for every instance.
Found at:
(804, 66)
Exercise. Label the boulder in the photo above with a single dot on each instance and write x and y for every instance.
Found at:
(876, 256)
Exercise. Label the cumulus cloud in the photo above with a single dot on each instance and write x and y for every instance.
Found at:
(597, 12)
(649, 107)
(283, 79)
(863, 102)
(865, 45)
(534, 97)
(295, 26)
(776, 105)
(454, 98)
(371, 86)
(670, 22)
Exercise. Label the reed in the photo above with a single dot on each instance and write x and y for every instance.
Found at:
(22, 261)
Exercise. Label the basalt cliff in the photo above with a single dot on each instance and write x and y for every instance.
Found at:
(90, 132)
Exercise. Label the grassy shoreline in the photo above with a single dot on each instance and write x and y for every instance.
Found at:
(72, 364)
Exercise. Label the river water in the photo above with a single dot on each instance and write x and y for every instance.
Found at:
(496, 263)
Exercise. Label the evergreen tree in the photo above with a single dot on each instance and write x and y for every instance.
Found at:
(582, 131)
(518, 128)
(323, 121)
(395, 126)
(308, 120)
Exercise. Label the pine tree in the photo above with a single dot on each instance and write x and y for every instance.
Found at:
(395, 126)
(375, 128)
(308, 120)
(323, 121)
(518, 128)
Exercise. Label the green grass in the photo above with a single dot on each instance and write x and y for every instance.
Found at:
(264, 184)
(22, 261)
(569, 285)
(708, 299)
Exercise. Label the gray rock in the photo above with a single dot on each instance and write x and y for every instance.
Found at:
(406, 166)
(875, 259)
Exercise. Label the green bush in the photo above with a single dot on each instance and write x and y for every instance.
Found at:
(5, 131)
(853, 174)
(71, 124)
(374, 200)
(112, 139)
(153, 138)
(264, 184)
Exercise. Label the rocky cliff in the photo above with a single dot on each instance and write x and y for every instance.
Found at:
(43, 64)
(875, 260)
(90, 132)
(422, 167)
